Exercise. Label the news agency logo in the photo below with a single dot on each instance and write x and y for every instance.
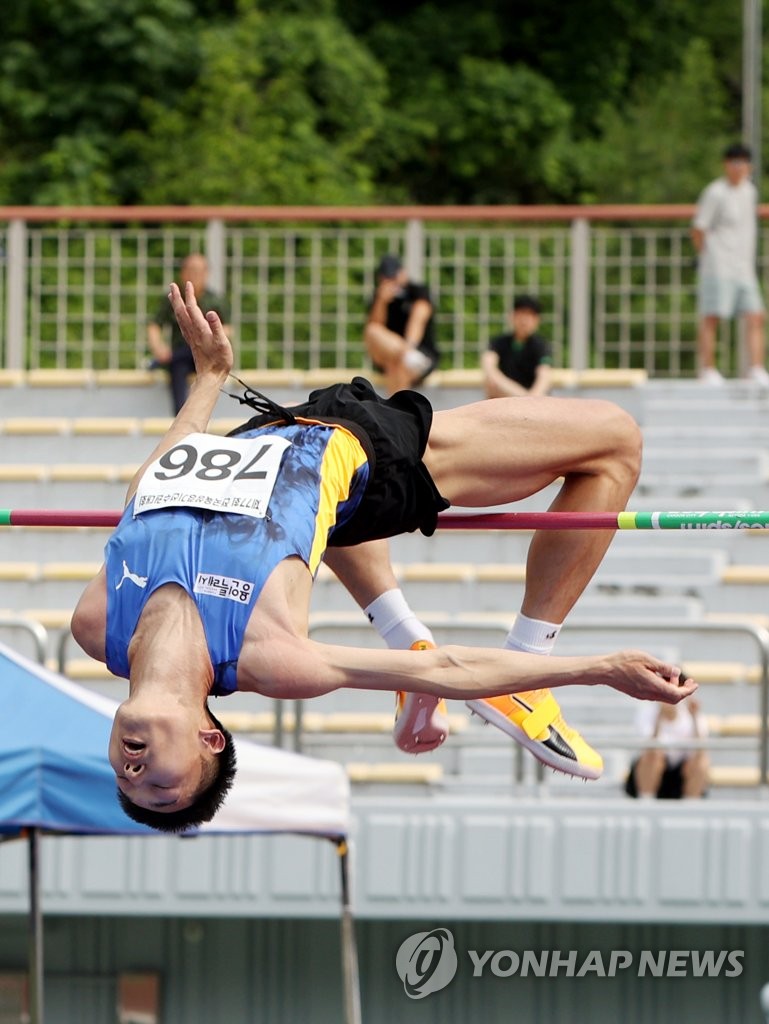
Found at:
(426, 962)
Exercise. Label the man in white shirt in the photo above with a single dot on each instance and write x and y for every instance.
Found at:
(724, 234)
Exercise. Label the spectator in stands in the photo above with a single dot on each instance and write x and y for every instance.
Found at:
(519, 362)
(400, 332)
(724, 235)
(208, 577)
(673, 772)
(176, 357)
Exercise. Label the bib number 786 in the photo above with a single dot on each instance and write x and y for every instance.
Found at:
(224, 475)
(215, 464)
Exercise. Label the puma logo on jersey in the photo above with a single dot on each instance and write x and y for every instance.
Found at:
(140, 581)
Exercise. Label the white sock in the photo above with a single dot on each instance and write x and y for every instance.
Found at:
(532, 636)
(395, 622)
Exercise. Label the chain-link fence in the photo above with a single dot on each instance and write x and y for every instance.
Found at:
(615, 294)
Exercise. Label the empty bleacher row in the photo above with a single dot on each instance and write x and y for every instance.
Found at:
(66, 447)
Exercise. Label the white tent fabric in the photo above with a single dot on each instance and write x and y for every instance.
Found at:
(284, 792)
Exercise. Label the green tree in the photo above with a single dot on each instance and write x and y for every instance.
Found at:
(597, 52)
(484, 133)
(584, 65)
(364, 100)
(665, 144)
(72, 77)
(592, 52)
(285, 110)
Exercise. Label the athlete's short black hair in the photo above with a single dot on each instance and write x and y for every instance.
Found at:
(218, 779)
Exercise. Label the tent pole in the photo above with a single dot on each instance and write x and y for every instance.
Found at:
(350, 974)
(35, 930)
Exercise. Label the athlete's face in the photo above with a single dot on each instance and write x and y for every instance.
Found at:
(158, 759)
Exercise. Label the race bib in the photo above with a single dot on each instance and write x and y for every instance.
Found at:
(227, 474)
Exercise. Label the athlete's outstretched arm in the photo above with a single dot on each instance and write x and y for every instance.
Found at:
(305, 668)
(212, 352)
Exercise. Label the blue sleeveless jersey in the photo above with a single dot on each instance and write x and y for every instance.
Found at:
(223, 560)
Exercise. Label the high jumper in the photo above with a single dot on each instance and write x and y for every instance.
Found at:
(207, 578)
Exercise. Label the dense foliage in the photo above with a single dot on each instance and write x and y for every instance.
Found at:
(327, 101)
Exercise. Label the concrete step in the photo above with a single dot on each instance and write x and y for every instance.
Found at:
(703, 412)
(46, 543)
(660, 394)
(714, 462)
(691, 483)
(481, 587)
(511, 546)
(697, 496)
(149, 399)
(710, 434)
(30, 591)
(736, 597)
(88, 494)
(106, 439)
(146, 395)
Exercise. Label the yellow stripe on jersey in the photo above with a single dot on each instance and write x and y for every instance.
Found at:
(342, 457)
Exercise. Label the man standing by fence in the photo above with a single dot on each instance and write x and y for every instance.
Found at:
(724, 234)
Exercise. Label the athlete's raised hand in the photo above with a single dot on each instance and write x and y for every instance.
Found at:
(211, 348)
(212, 352)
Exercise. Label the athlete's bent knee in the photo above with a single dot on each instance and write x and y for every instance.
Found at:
(627, 444)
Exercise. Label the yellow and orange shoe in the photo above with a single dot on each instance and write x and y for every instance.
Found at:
(534, 720)
(421, 721)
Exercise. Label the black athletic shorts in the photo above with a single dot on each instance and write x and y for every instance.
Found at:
(671, 784)
(400, 496)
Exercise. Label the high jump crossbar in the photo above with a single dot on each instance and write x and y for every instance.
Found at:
(462, 521)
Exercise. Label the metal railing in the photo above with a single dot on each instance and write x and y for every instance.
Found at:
(78, 284)
(34, 629)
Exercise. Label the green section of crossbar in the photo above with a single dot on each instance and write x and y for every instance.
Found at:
(693, 520)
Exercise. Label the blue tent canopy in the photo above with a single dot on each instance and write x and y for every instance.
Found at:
(54, 772)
